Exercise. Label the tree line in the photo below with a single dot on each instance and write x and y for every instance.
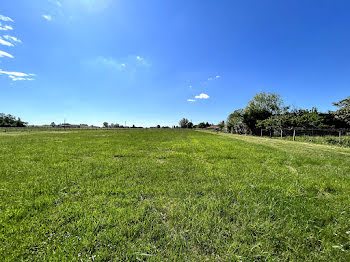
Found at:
(11, 121)
(264, 111)
(185, 123)
(268, 111)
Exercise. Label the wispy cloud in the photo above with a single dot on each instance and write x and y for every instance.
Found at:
(190, 86)
(17, 76)
(202, 96)
(214, 78)
(3, 54)
(8, 40)
(4, 42)
(5, 18)
(142, 61)
(21, 78)
(110, 62)
(5, 27)
(12, 39)
(47, 17)
(191, 100)
(58, 3)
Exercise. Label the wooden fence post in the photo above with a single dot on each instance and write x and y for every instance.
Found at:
(261, 132)
(281, 133)
(339, 137)
(293, 134)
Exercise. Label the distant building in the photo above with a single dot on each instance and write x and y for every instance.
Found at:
(213, 127)
(67, 125)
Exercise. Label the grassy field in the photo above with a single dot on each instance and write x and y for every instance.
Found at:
(171, 195)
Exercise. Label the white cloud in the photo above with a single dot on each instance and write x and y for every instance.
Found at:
(191, 100)
(110, 62)
(8, 40)
(5, 18)
(5, 27)
(47, 17)
(142, 61)
(202, 96)
(190, 86)
(4, 42)
(213, 78)
(18, 76)
(58, 3)
(2, 54)
(12, 38)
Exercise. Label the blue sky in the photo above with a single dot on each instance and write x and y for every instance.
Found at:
(154, 62)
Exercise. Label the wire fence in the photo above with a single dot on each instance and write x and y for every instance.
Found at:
(324, 135)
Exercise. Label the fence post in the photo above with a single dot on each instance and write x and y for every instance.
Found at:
(281, 133)
(261, 132)
(339, 137)
(293, 134)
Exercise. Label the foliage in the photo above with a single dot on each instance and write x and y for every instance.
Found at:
(202, 125)
(307, 118)
(105, 124)
(330, 120)
(343, 113)
(171, 195)
(11, 121)
(269, 112)
(235, 123)
(296, 118)
(221, 125)
(183, 122)
(261, 107)
(116, 125)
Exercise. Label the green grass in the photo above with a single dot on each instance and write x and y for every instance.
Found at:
(171, 195)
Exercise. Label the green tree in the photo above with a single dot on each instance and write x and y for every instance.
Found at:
(11, 121)
(221, 125)
(183, 123)
(201, 125)
(261, 107)
(105, 124)
(343, 113)
(235, 123)
(307, 118)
